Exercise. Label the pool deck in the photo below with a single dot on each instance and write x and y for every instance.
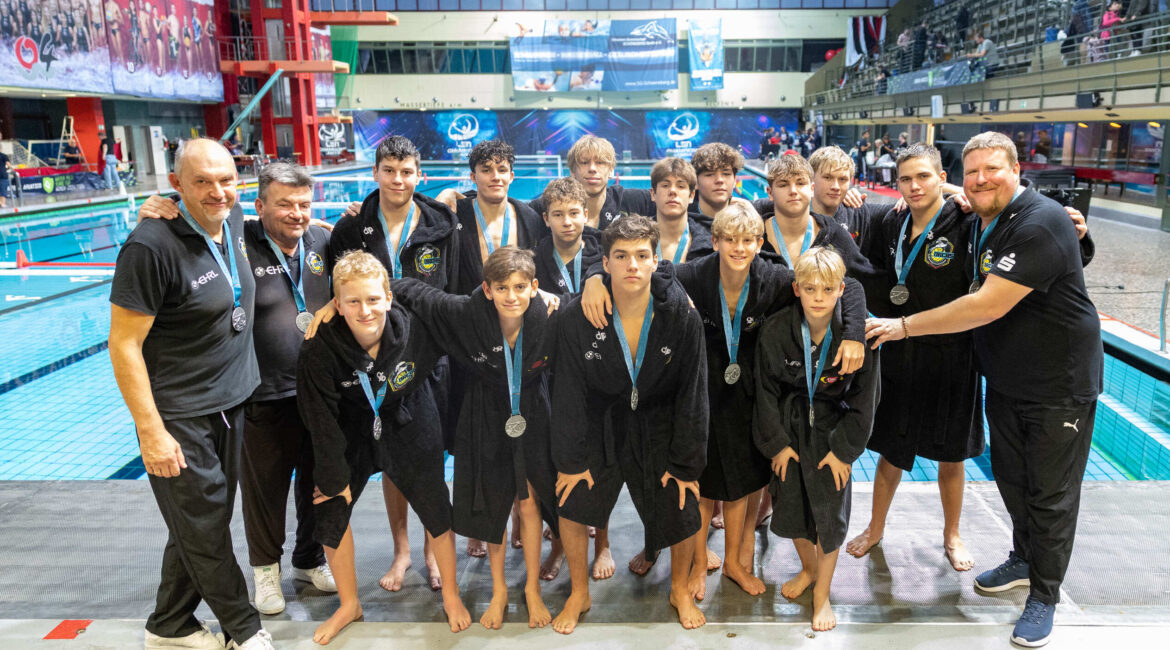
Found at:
(101, 564)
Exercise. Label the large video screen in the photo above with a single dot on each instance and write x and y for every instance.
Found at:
(591, 55)
(647, 135)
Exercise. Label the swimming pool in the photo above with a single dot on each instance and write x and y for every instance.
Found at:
(64, 417)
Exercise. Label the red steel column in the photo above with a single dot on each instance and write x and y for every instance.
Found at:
(90, 125)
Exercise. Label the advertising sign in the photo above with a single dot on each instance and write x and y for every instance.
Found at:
(51, 44)
(575, 55)
(705, 45)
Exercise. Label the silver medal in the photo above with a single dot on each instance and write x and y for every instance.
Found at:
(239, 319)
(974, 286)
(304, 319)
(515, 426)
(634, 399)
(732, 373)
(377, 428)
(899, 294)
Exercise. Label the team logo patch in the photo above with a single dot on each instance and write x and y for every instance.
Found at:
(316, 264)
(403, 373)
(665, 351)
(939, 253)
(985, 263)
(426, 260)
(591, 355)
(259, 271)
(829, 379)
(1007, 263)
(750, 322)
(367, 230)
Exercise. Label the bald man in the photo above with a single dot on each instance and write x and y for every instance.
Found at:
(181, 346)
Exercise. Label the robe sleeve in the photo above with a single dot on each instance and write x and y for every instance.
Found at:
(847, 439)
(768, 426)
(1088, 249)
(317, 402)
(853, 311)
(569, 418)
(441, 313)
(688, 445)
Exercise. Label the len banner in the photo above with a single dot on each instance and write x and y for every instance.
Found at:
(587, 55)
(705, 46)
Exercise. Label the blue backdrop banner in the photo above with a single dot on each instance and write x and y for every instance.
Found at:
(705, 45)
(647, 135)
(587, 55)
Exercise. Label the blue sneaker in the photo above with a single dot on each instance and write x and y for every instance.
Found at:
(1012, 573)
(1035, 624)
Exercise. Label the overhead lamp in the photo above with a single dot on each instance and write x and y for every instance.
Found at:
(1082, 125)
(1156, 125)
(1115, 125)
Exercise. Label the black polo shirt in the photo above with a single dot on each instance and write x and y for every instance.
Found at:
(1048, 347)
(278, 340)
(196, 362)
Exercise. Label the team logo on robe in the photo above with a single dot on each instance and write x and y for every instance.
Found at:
(665, 351)
(591, 355)
(985, 262)
(498, 348)
(403, 373)
(367, 230)
(426, 260)
(750, 322)
(1007, 263)
(316, 264)
(600, 336)
(539, 363)
(829, 379)
(939, 253)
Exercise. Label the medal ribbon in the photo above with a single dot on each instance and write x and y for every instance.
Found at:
(515, 367)
(396, 252)
(298, 287)
(808, 237)
(375, 403)
(904, 271)
(732, 326)
(487, 239)
(229, 267)
(684, 242)
(809, 377)
(633, 367)
(991, 226)
(569, 282)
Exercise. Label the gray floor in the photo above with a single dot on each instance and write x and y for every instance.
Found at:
(91, 550)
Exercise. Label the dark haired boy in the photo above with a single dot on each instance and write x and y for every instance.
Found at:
(498, 336)
(716, 165)
(813, 423)
(682, 235)
(490, 219)
(568, 250)
(629, 406)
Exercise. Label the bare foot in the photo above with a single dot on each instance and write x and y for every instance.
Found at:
(796, 586)
(746, 581)
(697, 583)
(763, 515)
(476, 547)
(336, 623)
(392, 581)
(823, 618)
(433, 574)
(713, 560)
(689, 614)
(551, 566)
(493, 618)
(457, 615)
(860, 545)
(592, 532)
(538, 614)
(603, 566)
(570, 615)
(548, 533)
(957, 553)
(717, 515)
(639, 564)
(516, 541)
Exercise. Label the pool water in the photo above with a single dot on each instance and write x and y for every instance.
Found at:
(64, 417)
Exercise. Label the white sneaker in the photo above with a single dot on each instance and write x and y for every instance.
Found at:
(261, 640)
(269, 597)
(1136, 53)
(321, 577)
(201, 640)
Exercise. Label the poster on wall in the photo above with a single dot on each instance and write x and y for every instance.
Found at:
(588, 55)
(705, 46)
(54, 44)
(165, 49)
(647, 135)
(324, 89)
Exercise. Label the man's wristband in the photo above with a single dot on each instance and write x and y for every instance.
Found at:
(905, 329)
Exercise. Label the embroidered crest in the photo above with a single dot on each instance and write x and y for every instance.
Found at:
(985, 262)
(939, 253)
(426, 260)
(316, 264)
(403, 373)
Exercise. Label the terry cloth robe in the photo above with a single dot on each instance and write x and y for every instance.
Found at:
(491, 468)
(808, 505)
(932, 405)
(338, 415)
(735, 468)
(594, 428)
(548, 274)
(431, 255)
(526, 223)
(829, 235)
(619, 201)
(700, 238)
(856, 221)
